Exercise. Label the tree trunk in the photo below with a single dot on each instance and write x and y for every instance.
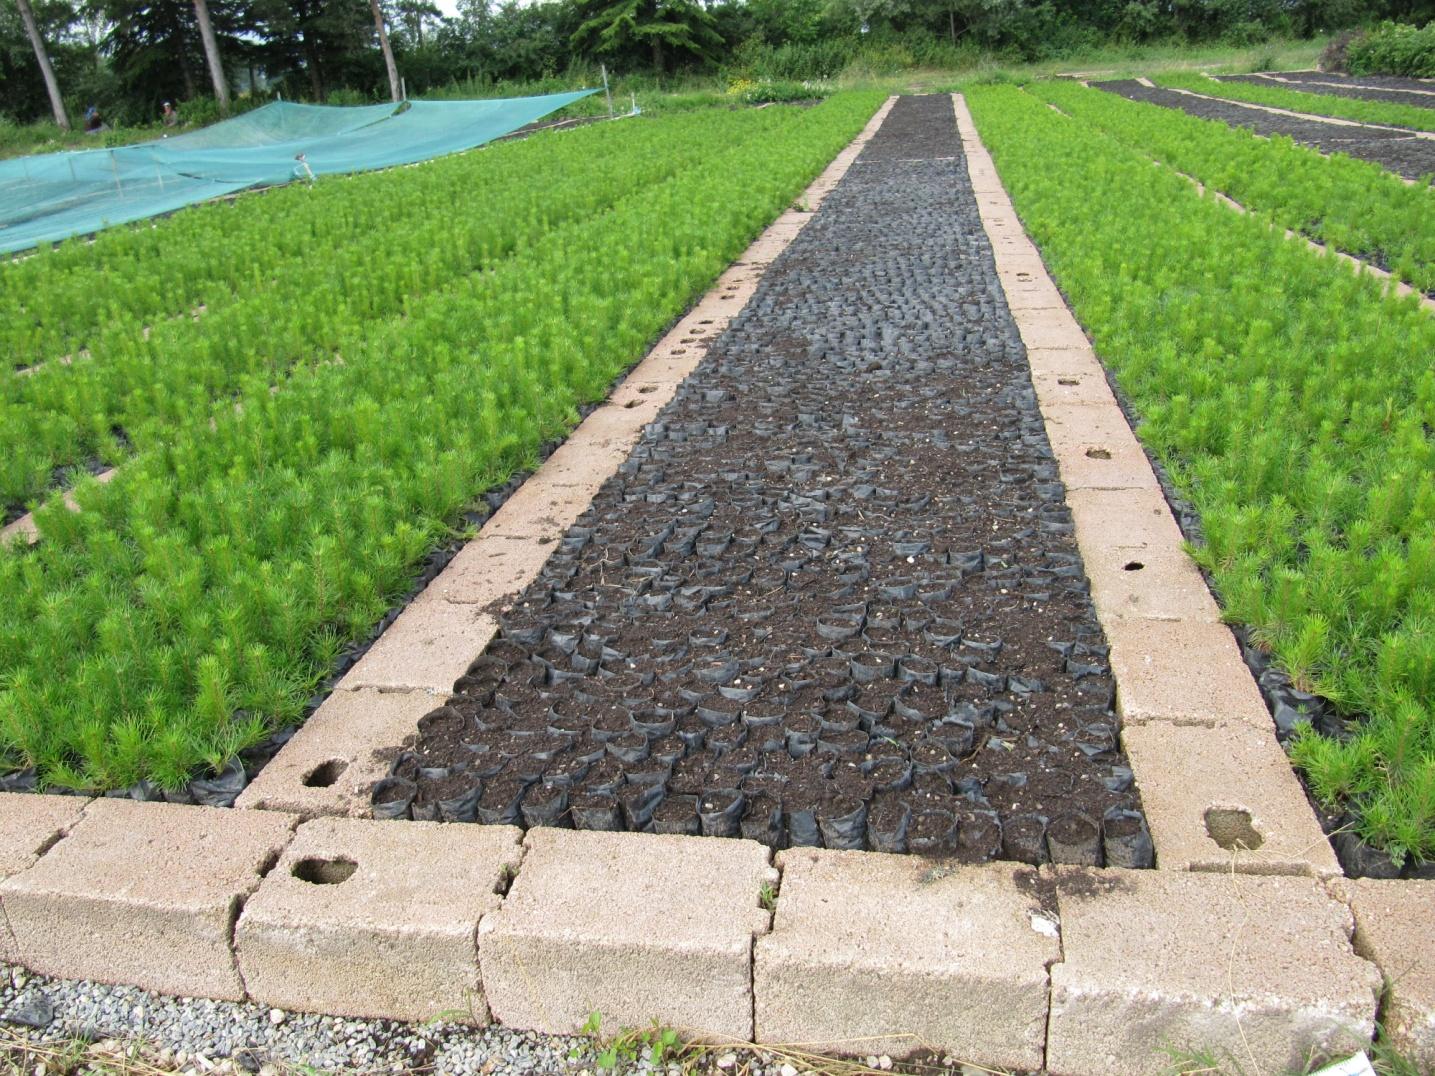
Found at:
(211, 53)
(388, 52)
(57, 105)
(952, 23)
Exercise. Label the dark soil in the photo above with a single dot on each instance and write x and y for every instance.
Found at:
(1402, 153)
(1359, 91)
(832, 597)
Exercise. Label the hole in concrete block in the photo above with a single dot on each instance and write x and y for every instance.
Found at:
(318, 871)
(631, 404)
(645, 389)
(1098, 454)
(326, 773)
(1068, 381)
(1232, 829)
(1133, 566)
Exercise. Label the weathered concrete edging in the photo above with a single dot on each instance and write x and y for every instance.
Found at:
(1184, 693)
(1075, 970)
(1334, 121)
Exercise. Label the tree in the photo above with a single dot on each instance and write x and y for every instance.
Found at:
(661, 26)
(42, 57)
(211, 54)
(388, 52)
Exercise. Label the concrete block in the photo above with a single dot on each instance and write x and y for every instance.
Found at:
(1135, 557)
(634, 926)
(1095, 448)
(1223, 799)
(145, 894)
(1394, 928)
(376, 919)
(29, 826)
(331, 763)
(1086, 386)
(878, 954)
(1257, 970)
(491, 569)
(430, 645)
(1182, 673)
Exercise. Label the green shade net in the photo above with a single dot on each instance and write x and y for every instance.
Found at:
(51, 197)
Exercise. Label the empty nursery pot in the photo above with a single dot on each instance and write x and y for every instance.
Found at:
(462, 807)
(762, 821)
(392, 797)
(1024, 839)
(932, 833)
(1074, 840)
(720, 811)
(677, 814)
(843, 822)
(546, 805)
(596, 811)
(1126, 841)
(870, 665)
(887, 822)
(630, 747)
(890, 775)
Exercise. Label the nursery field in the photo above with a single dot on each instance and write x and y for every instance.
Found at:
(1290, 401)
(304, 393)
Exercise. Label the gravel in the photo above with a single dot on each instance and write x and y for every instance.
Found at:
(197, 1035)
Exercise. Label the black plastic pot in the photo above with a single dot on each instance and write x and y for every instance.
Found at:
(762, 821)
(1126, 841)
(843, 822)
(1074, 839)
(501, 802)
(979, 836)
(596, 811)
(802, 828)
(392, 797)
(932, 833)
(677, 814)
(887, 823)
(720, 811)
(638, 803)
(546, 805)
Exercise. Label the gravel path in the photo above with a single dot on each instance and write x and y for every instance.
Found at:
(1403, 154)
(833, 595)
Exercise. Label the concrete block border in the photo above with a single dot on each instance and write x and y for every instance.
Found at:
(290, 903)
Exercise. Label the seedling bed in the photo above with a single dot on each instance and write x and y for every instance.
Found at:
(832, 596)
(1404, 154)
(1393, 82)
(1362, 91)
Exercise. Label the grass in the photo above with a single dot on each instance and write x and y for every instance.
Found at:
(202, 594)
(1293, 403)
(1318, 104)
(1352, 205)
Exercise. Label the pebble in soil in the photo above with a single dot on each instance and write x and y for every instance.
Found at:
(832, 597)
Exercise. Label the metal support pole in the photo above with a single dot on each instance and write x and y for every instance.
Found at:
(403, 89)
(608, 93)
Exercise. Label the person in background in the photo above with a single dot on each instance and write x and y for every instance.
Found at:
(94, 122)
(169, 115)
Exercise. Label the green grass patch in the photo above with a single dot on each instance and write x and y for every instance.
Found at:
(1352, 205)
(1316, 104)
(1294, 405)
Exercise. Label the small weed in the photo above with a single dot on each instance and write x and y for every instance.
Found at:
(767, 897)
(656, 1046)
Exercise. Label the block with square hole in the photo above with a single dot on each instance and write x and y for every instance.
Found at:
(146, 894)
(363, 918)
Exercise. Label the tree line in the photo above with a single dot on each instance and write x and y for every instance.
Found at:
(128, 56)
